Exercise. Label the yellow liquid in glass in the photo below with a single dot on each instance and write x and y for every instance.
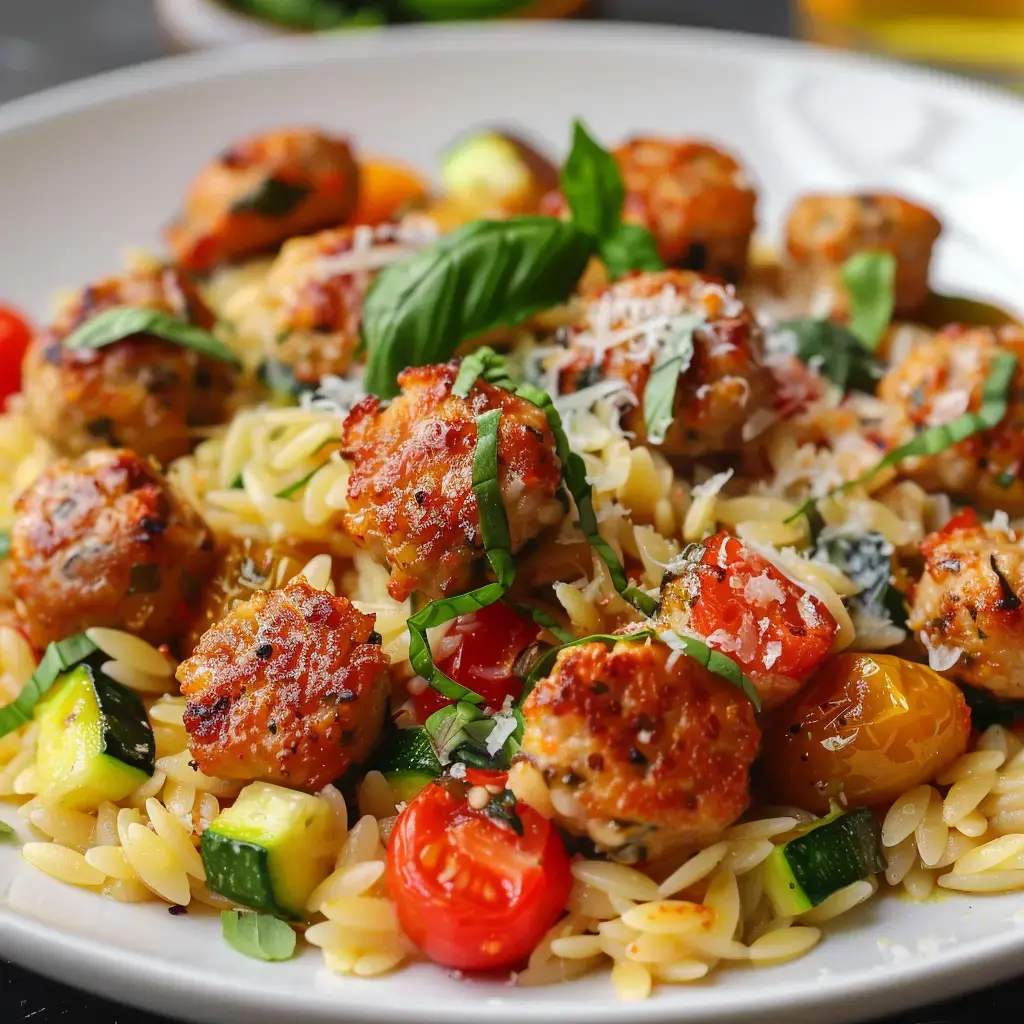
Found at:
(980, 37)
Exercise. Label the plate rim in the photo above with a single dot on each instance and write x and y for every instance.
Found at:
(98, 966)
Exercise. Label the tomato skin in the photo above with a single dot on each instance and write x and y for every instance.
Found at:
(870, 726)
(504, 891)
(495, 637)
(15, 335)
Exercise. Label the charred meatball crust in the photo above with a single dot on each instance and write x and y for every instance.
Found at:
(725, 383)
(823, 231)
(261, 191)
(643, 748)
(141, 393)
(969, 604)
(290, 687)
(104, 541)
(410, 493)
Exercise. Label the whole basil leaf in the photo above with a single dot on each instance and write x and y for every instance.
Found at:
(592, 185)
(272, 198)
(836, 353)
(120, 322)
(259, 936)
(631, 247)
(484, 275)
(870, 279)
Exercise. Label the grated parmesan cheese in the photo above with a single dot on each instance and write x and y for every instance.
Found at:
(505, 723)
(941, 657)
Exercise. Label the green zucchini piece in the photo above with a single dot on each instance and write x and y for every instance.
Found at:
(95, 742)
(408, 762)
(497, 167)
(841, 849)
(270, 849)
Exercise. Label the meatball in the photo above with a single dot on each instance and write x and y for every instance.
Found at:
(695, 199)
(644, 750)
(311, 304)
(290, 688)
(261, 191)
(725, 384)
(936, 382)
(739, 603)
(142, 393)
(823, 231)
(410, 493)
(967, 606)
(104, 541)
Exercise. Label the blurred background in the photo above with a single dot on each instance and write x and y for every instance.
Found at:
(45, 42)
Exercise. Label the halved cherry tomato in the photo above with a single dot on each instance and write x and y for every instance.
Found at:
(470, 890)
(385, 187)
(15, 334)
(492, 640)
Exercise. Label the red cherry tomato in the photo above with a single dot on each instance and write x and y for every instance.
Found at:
(15, 334)
(492, 639)
(470, 891)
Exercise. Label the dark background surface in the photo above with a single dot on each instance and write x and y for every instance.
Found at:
(46, 42)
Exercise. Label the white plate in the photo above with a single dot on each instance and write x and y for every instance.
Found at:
(90, 168)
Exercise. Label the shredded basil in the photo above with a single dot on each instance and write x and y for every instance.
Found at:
(486, 363)
(870, 280)
(994, 404)
(490, 507)
(6, 831)
(259, 936)
(502, 807)
(272, 198)
(484, 275)
(5, 543)
(446, 727)
(714, 661)
(120, 322)
(836, 353)
(672, 362)
(58, 658)
(544, 664)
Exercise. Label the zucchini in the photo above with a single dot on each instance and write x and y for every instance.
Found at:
(408, 762)
(270, 849)
(95, 742)
(833, 853)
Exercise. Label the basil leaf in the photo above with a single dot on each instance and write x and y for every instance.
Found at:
(866, 558)
(490, 507)
(120, 322)
(57, 658)
(836, 353)
(592, 185)
(483, 362)
(5, 543)
(272, 198)
(991, 412)
(870, 280)
(6, 830)
(714, 661)
(484, 275)
(631, 247)
(502, 807)
(259, 936)
(673, 361)
(544, 664)
(460, 10)
(446, 727)
(574, 475)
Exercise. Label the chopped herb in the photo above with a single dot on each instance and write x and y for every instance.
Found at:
(57, 659)
(144, 579)
(544, 664)
(120, 322)
(446, 727)
(259, 936)
(6, 831)
(502, 807)
(486, 363)
(1006, 478)
(836, 353)
(870, 280)
(490, 507)
(672, 362)
(714, 661)
(5, 543)
(273, 197)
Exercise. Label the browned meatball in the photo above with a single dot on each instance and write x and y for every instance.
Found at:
(103, 541)
(936, 382)
(410, 494)
(643, 748)
(261, 191)
(825, 230)
(290, 687)
(968, 609)
(695, 199)
(142, 393)
(725, 383)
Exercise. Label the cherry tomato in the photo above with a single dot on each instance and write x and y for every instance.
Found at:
(966, 519)
(470, 890)
(870, 726)
(492, 640)
(777, 632)
(15, 334)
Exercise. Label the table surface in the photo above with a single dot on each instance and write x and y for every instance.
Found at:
(45, 42)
